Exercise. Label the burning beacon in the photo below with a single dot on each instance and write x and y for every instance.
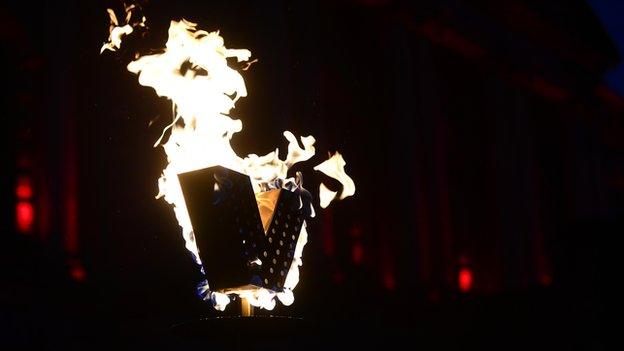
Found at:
(242, 218)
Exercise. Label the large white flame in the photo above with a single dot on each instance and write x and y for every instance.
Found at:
(193, 72)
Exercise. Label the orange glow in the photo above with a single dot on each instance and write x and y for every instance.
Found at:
(464, 280)
(24, 216)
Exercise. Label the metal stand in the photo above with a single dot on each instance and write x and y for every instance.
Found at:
(247, 310)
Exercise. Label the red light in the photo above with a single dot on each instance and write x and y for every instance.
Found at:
(76, 270)
(327, 233)
(464, 280)
(23, 190)
(355, 231)
(338, 277)
(24, 216)
(78, 274)
(546, 279)
(71, 226)
(357, 253)
(388, 281)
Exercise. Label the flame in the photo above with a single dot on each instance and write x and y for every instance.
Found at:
(334, 167)
(325, 195)
(116, 31)
(193, 72)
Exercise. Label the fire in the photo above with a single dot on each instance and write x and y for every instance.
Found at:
(117, 31)
(193, 72)
(334, 167)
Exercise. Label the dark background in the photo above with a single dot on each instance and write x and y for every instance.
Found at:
(485, 139)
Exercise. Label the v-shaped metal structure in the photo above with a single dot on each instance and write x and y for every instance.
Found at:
(234, 229)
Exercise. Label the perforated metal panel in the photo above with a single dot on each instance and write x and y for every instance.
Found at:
(226, 224)
(280, 240)
(229, 233)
